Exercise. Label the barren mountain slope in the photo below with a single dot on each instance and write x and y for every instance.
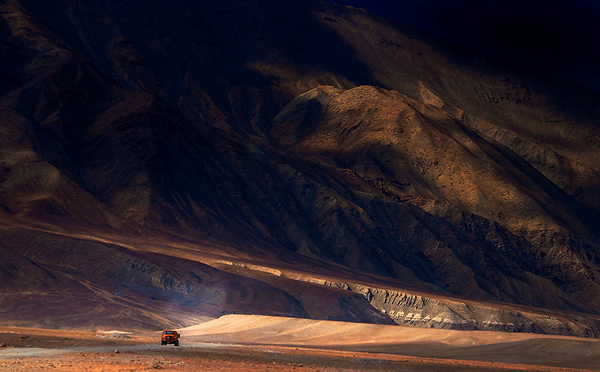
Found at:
(302, 133)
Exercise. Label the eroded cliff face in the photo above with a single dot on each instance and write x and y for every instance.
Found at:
(427, 312)
(302, 133)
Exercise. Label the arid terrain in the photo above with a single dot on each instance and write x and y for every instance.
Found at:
(179, 163)
(259, 343)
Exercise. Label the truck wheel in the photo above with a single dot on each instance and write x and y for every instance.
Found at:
(163, 342)
(177, 343)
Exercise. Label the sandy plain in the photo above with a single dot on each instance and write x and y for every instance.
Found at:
(262, 343)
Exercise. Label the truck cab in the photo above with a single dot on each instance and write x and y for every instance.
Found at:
(169, 337)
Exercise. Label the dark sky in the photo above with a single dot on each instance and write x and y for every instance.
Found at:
(560, 36)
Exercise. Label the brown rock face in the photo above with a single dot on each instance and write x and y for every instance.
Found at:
(466, 206)
(286, 158)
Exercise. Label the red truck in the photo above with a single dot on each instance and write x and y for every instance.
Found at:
(169, 337)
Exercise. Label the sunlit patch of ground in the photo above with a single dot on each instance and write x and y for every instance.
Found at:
(259, 343)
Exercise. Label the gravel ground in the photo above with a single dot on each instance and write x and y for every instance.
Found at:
(54, 350)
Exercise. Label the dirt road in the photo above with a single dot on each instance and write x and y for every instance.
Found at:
(225, 357)
(26, 349)
(238, 358)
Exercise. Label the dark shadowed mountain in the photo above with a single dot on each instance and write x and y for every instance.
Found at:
(556, 36)
(166, 161)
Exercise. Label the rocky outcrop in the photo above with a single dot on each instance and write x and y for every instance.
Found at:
(428, 312)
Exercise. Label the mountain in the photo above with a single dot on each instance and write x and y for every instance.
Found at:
(554, 36)
(165, 162)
